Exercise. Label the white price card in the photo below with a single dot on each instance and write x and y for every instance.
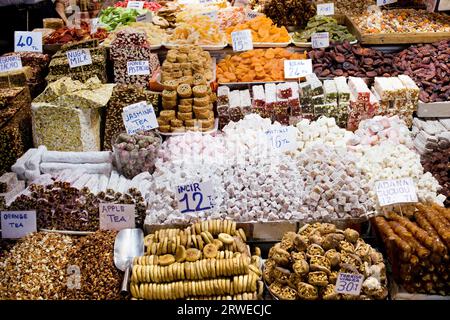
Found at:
(27, 41)
(117, 216)
(139, 117)
(17, 224)
(211, 14)
(10, 63)
(320, 40)
(146, 17)
(294, 69)
(349, 283)
(396, 191)
(242, 40)
(325, 9)
(135, 4)
(195, 197)
(385, 2)
(138, 68)
(94, 25)
(78, 58)
(282, 138)
(250, 14)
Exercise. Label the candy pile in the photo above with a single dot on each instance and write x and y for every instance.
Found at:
(200, 30)
(155, 35)
(262, 29)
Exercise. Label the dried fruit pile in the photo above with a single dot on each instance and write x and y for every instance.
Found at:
(305, 265)
(417, 243)
(68, 35)
(199, 30)
(324, 24)
(255, 65)
(263, 30)
(207, 260)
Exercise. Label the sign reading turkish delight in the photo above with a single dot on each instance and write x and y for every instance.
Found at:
(138, 68)
(10, 63)
(78, 58)
(242, 40)
(320, 40)
(294, 69)
(282, 138)
(27, 41)
(17, 224)
(139, 117)
(195, 197)
(325, 9)
(349, 283)
(396, 191)
(117, 216)
(135, 4)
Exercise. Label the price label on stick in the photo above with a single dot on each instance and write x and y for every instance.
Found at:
(242, 40)
(396, 191)
(385, 2)
(27, 41)
(195, 197)
(294, 69)
(78, 58)
(135, 4)
(117, 216)
(349, 283)
(17, 224)
(139, 117)
(250, 14)
(212, 15)
(138, 68)
(146, 17)
(94, 25)
(325, 9)
(10, 63)
(320, 40)
(282, 138)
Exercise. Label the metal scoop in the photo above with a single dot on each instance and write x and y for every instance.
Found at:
(129, 243)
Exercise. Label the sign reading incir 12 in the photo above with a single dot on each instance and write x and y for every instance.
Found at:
(195, 197)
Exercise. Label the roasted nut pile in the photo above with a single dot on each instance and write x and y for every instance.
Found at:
(35, 267)
(99, 278)
(352, 60)
(305, 265)
(206, 260)
(122, 96)
(61, 206)
(417, 244)
(137, 153)
(350, 7)
(428, 66)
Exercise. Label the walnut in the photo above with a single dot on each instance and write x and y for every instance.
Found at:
(281, 257)
(298, 256)
(319, 263)
(363, 250)
(334, 257)
(351, 235)
(315, 249)
(326, 228)
(276, 288)
(306, 291)
(287, 243)
(332, 278)
(300, 267)
(288, 293)
(316, 238)
(345, 246)
(318, 278)
(332, 240)
(294, 280)
(301, 243)
(328, 293)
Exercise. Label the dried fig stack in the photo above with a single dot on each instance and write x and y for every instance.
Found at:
(429, 66)
(289, 12)
(352, 60)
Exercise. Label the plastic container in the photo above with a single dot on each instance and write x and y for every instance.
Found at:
(134, 154)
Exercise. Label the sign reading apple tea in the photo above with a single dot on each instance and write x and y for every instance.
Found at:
(117, 216)
(17, 224)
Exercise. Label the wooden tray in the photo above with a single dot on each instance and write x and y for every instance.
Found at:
(394, 38)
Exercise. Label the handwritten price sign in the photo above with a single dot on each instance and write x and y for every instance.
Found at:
(395, 191)
(17, 224)
(139, 117)
(349, 283)
(385, 2)
(325, 9)
(135, 4)
(25, 41)
(282, 138)
(294, 69)
(117, 216)
(10, 63)
(78, 58)
(320, 40)
(195, 197)
(242, 40)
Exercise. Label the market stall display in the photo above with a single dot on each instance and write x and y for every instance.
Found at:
(305, 265)
(417, 244)
(205, 260)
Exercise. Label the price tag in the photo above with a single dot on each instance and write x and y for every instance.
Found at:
(139, 117)
(146, 17)
(117, 216)
(320, 40)
(294, 69)
(282, 138)
(17, 224)
(27, 41)
(135, 4)
(250, 14)
(325, 9)
(138, 68)
(195, 197)
(94, 25)
(242, 40)
(78, 58)
(349, 283)
(212, 15)
(395, 191)
(385, 2)
(10, 63)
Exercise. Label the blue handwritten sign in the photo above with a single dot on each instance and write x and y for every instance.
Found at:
(195, 197)
(17, 224)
